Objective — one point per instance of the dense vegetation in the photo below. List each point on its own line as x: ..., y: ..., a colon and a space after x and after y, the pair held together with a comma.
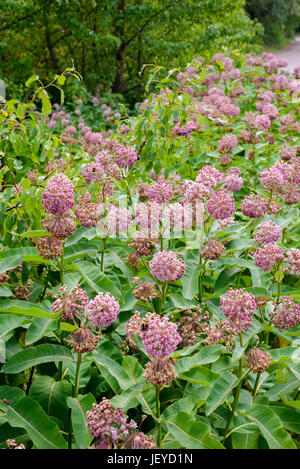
x: 150, y: 270
x: 280, y: 19
x: 113, y: 44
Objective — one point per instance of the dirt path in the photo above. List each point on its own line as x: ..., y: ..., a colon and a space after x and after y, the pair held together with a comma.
x: 291, y: 54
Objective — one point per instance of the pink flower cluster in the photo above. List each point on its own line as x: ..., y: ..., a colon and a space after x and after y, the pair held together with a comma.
x: 227, y: 143
x: 70, y: 303
x: 221, y: 205
x: 167, y: 266
x: 59, y: 194
x: 268, y: 232
x: 103, y: 310
x: 239, y: 307
x: 108, y: 422
x: 286, y: 314
x: 293, y: 260
x: 125, y: 156
x: 268, y: 255
x: 160, y: 338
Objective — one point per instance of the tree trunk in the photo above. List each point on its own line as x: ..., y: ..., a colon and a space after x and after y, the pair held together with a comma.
x: 120, y: 57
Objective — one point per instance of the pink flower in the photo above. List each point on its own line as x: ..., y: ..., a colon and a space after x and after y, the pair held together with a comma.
x: 59, y: 194
x: 254, y: 205
x: 166, y: 266
x: 227, y: 143
x: 268, y: 232
x: 160, y: 337
x: 103, y: 310
x: 92, y: 172
x: 267, y: 256
x: 286, y: 314
x: 70, y: 303
x: 239, y: 307
x: 125, y: 156
x: 59, y: 226
x: 221, y: 205
x: 293, y: 260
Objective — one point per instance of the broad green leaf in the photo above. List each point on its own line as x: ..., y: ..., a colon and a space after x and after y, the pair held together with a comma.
x: 270, y: 426
x: 200, y: 374
x: 189, y: 281
x: 52, y: 396
x: 290, y: 417
x: 97, y: 279
x: 26, y: 308
x: 208, y: 354
x: 116, y: 370
x: 44, y: 353
x: 80, y: 406
x: 9, y: 322
x: 24, y: 412
x: 38, y: 327
x: 220, y: 390
x: 190, y: 433
x: 9, y: 263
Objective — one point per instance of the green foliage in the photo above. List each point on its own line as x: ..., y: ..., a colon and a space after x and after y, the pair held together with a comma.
x: 111, y: 42
x: 280, y: 19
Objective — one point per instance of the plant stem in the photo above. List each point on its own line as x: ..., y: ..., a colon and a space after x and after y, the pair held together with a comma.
x: 29, y: 381
x: 62, y: 268
x: 158, y: 424
x: 236, y: 398
x: 75, y: 392
x: 163, y: 297
x: 79, y: 356
x: 161, y: 242
x: 102, y: 253
x: 256, y: 385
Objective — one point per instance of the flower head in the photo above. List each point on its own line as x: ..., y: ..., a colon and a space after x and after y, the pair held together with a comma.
x: 268, y: 255
x: 286, y: 314
x: 166, y: 266
x: 160, y: 338
x: 70, y: 303
x: 160, y: 372
x: 103, y: 310
x: 221, y: 205
x: 239, y: 307
x: 258, y: 360
x: 268, y: 232
x: 58, y: 196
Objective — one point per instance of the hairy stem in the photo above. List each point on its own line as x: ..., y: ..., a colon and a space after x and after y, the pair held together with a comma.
x: 158, y: 425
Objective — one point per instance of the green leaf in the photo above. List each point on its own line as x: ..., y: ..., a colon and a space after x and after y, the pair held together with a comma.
x: 37, y: 329
x: 10, y: 263
x: 24, y: 412
x: 116, y: 370
x: 189, y: 281
x: 52, y: 396
x: 270, y: 426
x: 200, y: 374
x: 44, y: 353
x: 220, y: 390
x: 4, y: 291
x: 26, y: 308
x: 80, y: 406
x: 290, y: 417
x: 97, y: 279
x: 31, y: 80
x: 9, y: 322
x: 190, y: 433
x: 46, y: 103
x: 223, y: 280
x: 208, y: 354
